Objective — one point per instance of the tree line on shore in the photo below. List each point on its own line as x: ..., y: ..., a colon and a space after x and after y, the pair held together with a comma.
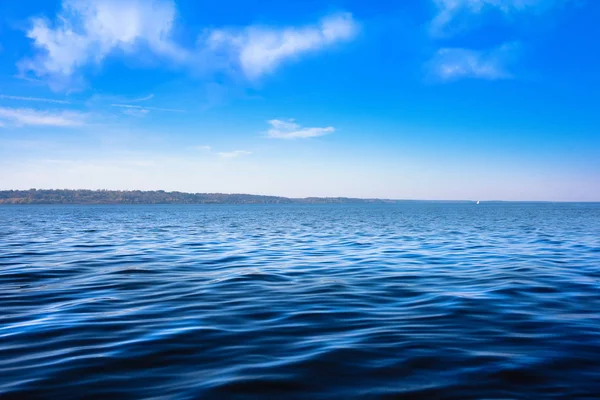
x: 68, y: 196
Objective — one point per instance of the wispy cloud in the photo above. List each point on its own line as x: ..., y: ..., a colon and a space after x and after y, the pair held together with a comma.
x: 451, y: 64
x: 33, y: 81
x: 291, y: 130
x: 136, y: 112
x: 85, y: 32
x: 234, y: 154
x: 150, y: 96
x: 258, y: 50
x: 453, y: 15
x: 203, y: 148
x: 27, y: 116
x: 449, y: 10
x: 37, y: 99
x: 146, y: 108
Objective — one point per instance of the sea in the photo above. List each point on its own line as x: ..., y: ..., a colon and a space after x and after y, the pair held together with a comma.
x: 415, y: 300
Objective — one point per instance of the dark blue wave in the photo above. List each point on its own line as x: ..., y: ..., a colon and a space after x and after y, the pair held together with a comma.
x: 416, y: 300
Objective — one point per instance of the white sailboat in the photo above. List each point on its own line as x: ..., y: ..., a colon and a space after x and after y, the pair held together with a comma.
x: 477, y: 201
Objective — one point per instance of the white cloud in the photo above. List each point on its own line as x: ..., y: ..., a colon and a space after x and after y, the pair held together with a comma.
x: 134, y: 106
x: 38, y: 99
x: 455, y: 63
x: 136, y: 112
x: 150, y: 96
x: 203, y: 148
x: 86, y: 31
x: 28, y: 116
x: 260, y: 50
x: 291, y: 130
x: 234, y: 153
x: 449, y: 11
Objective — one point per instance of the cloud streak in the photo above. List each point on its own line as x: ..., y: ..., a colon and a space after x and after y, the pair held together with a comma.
x: 37, y: 99
x: 291, y: 130
x: 135, y: 106
x: 136, y: 112
x: 450, y: 64
x: 233, y: 154
x: 452, y: 14
x: 258, y: 50
x: 150, y: 96
x: 29, y: 117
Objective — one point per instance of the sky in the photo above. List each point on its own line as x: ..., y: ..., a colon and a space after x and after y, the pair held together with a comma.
x: 412, y: 99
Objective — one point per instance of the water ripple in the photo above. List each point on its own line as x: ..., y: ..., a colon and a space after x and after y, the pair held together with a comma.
x: 440, y: 301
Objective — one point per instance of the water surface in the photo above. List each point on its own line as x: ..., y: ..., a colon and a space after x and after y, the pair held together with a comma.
x: 415, y: 300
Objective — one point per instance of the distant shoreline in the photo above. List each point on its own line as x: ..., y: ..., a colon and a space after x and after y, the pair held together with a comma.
x: 70, y: 196
x: 116, y: 197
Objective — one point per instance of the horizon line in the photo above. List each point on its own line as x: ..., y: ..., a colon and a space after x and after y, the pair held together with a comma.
x: 383, y: 199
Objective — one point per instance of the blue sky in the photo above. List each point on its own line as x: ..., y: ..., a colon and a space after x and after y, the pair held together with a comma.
x: 420, y: 99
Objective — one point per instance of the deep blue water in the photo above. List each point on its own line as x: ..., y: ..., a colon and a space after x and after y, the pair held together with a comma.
x: 416, y: 300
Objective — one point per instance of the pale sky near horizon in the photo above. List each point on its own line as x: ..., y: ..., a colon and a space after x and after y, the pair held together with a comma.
x: 420, y: 99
